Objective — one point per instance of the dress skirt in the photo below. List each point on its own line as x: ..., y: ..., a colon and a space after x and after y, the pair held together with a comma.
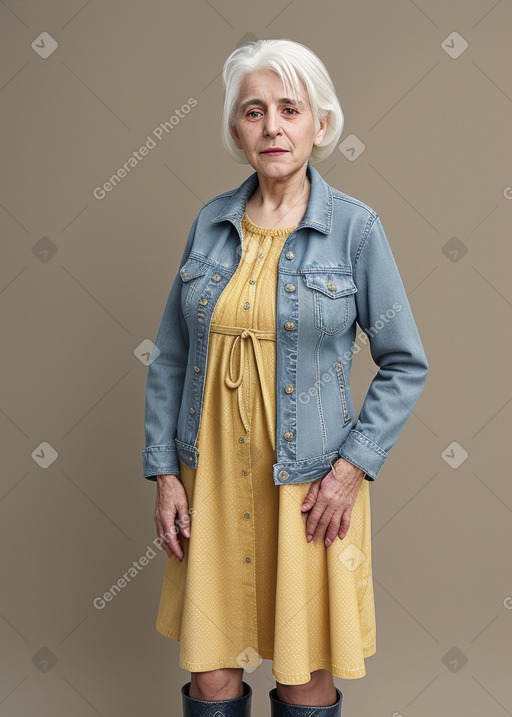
x: 250, y: 587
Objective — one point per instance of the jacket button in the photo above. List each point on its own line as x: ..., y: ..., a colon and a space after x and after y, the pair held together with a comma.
x: 247, y: 559
x: 196, y: 369
x: 289, y: 325
x: 289, y: 255
x: 192, y: 410
x: 284, y: 475
x: 240, y: 440
x: 203, y: 301
x: 190, y: 458
x: 247, y: 515
x: 289, y: 435
x: 216, y: 277
x: 289, y: 388
x: 247, y: 305
x: 184, y: 272
x: 245, y: 473
x: 252, y: 281
x: 289, y: 287
x: 331, y: 286
x: 200, y: 334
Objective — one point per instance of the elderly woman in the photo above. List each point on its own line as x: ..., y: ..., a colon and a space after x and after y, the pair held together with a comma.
x: 263, y: 473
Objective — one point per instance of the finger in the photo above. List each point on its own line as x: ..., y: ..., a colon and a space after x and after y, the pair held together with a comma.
x: 313, y: 519
x: 323, y: 525
x: 319, y: 516
x: 345, y: 523
x: 169, y: 535
x: 310, y: 499
x: 163, y: 538
x: 173, y: 539
x: 160, y: 532
x: 333, y: 528
x: 174, y: 544
x: 184, y: 520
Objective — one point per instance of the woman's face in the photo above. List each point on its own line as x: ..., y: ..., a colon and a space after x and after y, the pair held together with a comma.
x: 267, y: 118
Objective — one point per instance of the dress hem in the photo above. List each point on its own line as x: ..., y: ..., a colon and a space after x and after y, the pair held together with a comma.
x: 285, y: 678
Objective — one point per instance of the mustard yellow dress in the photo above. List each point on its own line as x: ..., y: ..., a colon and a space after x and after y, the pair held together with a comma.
x: 250, y: 587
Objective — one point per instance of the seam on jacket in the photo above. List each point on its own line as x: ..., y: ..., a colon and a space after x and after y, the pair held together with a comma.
x: 342, y: 197
x: 366, y: 233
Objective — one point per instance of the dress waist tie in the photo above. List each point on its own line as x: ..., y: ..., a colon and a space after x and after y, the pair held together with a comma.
x: 236, y: 382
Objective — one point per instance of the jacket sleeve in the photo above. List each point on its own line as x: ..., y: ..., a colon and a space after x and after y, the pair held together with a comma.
x: 385, y: 316
x: 165, y: 380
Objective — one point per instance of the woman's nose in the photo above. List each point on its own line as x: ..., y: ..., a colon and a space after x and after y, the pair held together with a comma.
x: 272, y: 123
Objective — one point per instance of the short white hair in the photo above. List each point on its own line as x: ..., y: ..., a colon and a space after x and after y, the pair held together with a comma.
x: 293, y: 63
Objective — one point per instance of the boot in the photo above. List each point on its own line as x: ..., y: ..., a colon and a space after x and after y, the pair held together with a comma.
x: 284, y: 709
x: 237, y: 707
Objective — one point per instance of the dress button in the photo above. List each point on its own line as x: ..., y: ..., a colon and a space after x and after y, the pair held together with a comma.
x: 289, y: 388
x: 240, y: 440
x: 192, y: 410
x: 284, y: 475
x: 252, y: 281
x: 289, y: 255
x: 196, y: 369
x: 216, y: 277
x: 247, y: 559
x: 289, y: 287
x: 247, y: 515
x: 203, y: 301
x: 247, y: 305
x: 289, y: 325
x: 289, y: 435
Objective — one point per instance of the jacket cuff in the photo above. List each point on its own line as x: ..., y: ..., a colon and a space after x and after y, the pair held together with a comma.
x: 159, y: 460
x: 363, y: 453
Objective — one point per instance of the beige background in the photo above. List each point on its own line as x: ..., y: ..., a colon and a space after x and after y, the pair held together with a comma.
x: 84, y: 282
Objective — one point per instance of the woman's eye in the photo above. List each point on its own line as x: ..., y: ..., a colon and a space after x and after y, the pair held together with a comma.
x: 254, y: 114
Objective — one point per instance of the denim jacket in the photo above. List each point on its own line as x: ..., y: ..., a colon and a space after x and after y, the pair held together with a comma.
x: 336, y: 268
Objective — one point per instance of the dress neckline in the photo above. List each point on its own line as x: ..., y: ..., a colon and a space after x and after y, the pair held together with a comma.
x: 257, y: 229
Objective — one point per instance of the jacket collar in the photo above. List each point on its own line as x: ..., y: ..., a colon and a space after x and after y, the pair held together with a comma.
x: 318, y: 214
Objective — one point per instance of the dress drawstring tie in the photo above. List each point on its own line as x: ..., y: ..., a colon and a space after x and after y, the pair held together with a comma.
x: 235, y: 381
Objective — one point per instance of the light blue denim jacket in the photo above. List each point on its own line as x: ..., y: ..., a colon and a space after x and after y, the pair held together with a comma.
x: 335, y: 268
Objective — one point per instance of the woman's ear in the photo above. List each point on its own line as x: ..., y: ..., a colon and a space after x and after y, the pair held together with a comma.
x: 324, y: 123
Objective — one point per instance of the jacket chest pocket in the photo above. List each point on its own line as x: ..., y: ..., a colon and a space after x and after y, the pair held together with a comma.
x: 333, y: 299
x: 191, y: 272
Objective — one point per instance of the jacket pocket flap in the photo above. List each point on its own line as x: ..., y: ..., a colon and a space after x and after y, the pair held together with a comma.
x: 193, y: 268
x: 331, y: 284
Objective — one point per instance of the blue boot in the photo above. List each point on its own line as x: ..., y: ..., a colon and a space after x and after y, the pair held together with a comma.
x: 284, y: 709
x: 237, y: 707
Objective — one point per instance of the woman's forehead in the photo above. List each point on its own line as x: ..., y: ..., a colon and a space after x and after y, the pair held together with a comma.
x: 267, y: 86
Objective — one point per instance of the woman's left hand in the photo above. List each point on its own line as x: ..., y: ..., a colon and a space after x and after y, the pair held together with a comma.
x: 331, y: 500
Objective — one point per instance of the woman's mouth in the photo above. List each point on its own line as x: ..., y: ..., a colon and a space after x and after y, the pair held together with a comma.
x: 275, y: 152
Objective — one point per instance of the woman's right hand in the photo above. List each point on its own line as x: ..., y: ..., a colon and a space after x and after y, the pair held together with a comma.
x: 171, y: 502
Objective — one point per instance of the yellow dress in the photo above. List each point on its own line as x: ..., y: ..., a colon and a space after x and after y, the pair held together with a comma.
x: 250, y: 587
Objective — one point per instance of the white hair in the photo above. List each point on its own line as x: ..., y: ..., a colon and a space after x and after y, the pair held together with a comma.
x: 293, y: 63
